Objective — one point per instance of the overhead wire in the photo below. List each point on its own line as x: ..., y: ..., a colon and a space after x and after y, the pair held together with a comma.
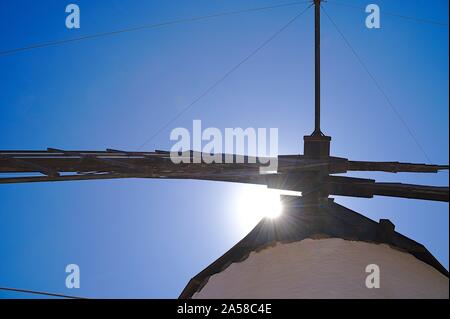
x: 144, y: 27
x: 225, y: 76
x: 414, y: 19
x: 42, y: 293
x: 378, y: 85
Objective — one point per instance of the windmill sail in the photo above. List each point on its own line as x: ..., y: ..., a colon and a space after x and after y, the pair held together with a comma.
x: 295, y: 172
x: 348, y: 240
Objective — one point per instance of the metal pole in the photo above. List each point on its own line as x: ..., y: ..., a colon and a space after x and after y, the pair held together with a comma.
x: 317, y: 67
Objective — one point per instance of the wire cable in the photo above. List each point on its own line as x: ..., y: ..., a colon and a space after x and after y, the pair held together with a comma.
x: 419, y: 20
x: 42, y: 293
x: 378, y: 85
x: 143, y: 27
x: 226, y: 75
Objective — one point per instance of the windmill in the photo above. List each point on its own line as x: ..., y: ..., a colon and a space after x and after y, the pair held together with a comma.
x: 321, y: 248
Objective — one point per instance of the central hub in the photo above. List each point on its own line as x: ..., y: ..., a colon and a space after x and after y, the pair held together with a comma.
x: 316, y: 146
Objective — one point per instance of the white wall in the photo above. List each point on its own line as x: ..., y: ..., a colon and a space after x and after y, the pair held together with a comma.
x: 326, y: 268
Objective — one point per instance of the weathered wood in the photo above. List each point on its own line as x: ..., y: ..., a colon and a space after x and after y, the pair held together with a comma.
x: 295, y: 172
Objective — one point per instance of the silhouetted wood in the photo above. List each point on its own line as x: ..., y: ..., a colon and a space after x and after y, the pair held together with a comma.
x: 311, y: 173
x: 300, y: 173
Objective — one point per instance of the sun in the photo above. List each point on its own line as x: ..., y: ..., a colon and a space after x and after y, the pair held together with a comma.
x: 255, y: 203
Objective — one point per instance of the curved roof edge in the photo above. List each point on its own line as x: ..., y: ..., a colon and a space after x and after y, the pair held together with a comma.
x: 302, y: 220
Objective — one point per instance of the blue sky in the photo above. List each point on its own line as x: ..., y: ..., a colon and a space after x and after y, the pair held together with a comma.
x: 147, y: 238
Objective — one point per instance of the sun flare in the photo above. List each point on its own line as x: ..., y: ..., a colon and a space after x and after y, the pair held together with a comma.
x: 257, y: 202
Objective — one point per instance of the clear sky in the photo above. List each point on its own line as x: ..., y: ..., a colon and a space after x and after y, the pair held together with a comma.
x: 147, y: 238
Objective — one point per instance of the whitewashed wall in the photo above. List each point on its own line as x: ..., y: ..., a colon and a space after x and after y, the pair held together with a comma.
x: 326, y: 268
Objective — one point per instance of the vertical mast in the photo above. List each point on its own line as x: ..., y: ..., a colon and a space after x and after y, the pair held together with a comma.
x: 317, y: 131
x: 317, y: 145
